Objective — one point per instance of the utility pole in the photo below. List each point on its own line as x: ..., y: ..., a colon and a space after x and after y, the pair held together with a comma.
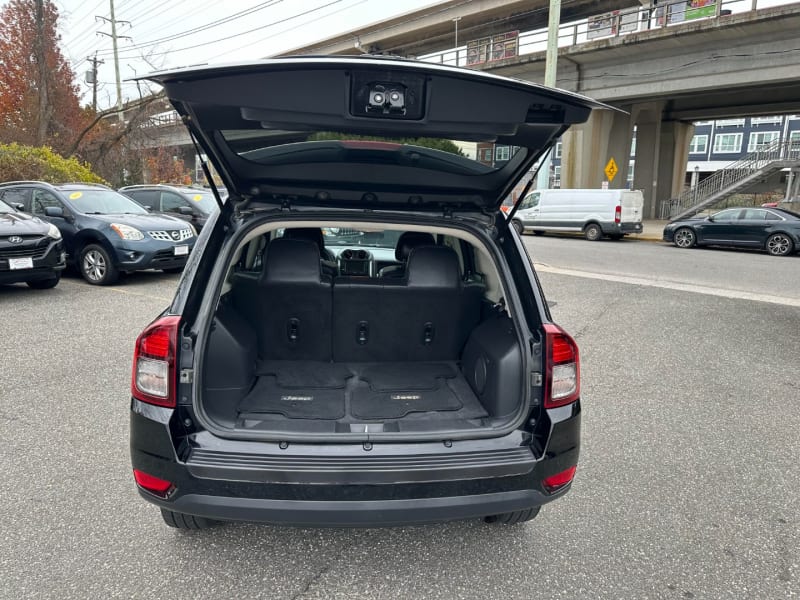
x: 92, y: 79
x: 551, y: 62
x: 42, y: 75
x: 113, y: 21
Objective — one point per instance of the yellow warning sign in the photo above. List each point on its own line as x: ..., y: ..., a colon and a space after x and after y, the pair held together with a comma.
x: 611, y: 169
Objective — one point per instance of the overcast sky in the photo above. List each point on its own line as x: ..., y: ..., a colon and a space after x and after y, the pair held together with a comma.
x: 175, y: 33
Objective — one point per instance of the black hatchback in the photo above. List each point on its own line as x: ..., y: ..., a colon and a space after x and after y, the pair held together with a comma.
x: 106, y: 233
x: 359, y: 337
x: 31, y: 250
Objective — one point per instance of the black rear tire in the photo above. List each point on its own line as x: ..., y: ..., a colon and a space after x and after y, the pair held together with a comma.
x: 44, y: 284
x: 592, y: 232
x: 184, y: 521
x: 518, y: 226
x: 512, y: 518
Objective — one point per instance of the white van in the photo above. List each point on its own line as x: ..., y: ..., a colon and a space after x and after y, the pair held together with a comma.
x: 595, y: 213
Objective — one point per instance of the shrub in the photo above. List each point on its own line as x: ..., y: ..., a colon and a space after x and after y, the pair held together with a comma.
x: 18, y: 162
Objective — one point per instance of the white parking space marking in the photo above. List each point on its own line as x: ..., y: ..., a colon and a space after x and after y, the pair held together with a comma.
x: 673, y: 285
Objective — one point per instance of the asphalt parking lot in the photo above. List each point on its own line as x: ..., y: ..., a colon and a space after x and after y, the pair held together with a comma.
x: 688, y: 485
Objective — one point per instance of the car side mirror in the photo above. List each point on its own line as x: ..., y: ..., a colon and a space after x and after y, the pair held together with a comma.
x: 185, y: 210
x: 19, y: 207
x: 54, y: 211
x: 710, y: 218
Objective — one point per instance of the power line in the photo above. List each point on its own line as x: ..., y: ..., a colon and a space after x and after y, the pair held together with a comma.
x: 207, y: 26
x: 241, y: 33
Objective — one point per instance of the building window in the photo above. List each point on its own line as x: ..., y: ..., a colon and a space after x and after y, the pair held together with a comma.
x: 557, y: 177
x: 760, y: 139
x: 502, y: 152
x: 727, y: 143
x: 775, y: 119
x: 699, y: 144
x: 487, y: 155
x: 730, y: 123
x: 701, y: 123
x: 794, y: 140
x: 558, y: 150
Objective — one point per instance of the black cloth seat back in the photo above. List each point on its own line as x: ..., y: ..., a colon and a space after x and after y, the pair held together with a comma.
x: 425, y: 316
x: 292, y: 303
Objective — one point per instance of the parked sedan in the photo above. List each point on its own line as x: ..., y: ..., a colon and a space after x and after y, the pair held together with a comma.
x: 775, y: 230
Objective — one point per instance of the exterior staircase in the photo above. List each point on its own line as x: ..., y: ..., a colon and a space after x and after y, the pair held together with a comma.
x: 734, y: 178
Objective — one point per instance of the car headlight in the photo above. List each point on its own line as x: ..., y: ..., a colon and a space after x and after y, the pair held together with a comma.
x: 53, y: 232
x: 193, y: 230
x: 126, y: 232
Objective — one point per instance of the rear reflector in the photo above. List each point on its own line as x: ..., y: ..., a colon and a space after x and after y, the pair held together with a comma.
x: 562, y: 370
x: 153, y: 378
x: 154, y: 485
x: 559, y: 480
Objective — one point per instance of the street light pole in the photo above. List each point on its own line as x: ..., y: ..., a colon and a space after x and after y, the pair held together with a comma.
x: 455, y: 21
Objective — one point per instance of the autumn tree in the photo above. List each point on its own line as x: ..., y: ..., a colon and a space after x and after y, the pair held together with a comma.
x: 162, y: 166
x: 39, y: 102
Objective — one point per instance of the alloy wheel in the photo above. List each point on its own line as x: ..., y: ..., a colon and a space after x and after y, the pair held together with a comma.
x: 779, y: 245
x: 94, y: 265
x: 684, y: 238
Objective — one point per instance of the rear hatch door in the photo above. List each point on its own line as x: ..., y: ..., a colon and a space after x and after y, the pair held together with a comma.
x: 369, y: 131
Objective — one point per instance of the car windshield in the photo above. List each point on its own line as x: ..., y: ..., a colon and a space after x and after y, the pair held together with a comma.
x: 5, y: 208
x: 204, y: 200
x: 102, y: 202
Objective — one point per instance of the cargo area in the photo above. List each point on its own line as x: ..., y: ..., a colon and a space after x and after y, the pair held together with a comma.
x: 294, y: 349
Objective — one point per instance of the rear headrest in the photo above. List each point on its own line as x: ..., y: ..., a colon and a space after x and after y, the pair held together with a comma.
x: 410, y: 240
x: 311, y: 234
x: 291, y: 261
x: 433, y: 266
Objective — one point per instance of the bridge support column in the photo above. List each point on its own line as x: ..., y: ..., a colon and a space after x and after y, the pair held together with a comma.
x: 673, y: 156
x: 647, y: 118
x: 587, y: 148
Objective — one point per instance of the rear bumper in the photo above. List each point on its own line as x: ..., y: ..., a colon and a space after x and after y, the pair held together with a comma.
x: 345, y: 484
x: 621, y: 228
x: 374, y: 513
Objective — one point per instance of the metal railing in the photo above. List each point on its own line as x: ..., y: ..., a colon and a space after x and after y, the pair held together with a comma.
x: 777, y: 155
x: 614, y: 24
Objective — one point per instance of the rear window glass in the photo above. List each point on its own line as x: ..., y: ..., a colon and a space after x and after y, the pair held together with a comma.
x: 276, y: 147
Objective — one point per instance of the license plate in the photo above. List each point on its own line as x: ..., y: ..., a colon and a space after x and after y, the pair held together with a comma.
x: 181, y: 250
x: 20, y: 263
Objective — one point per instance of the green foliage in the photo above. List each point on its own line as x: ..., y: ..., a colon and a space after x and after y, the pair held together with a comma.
x: 19, y: 162
x: 434, y: 143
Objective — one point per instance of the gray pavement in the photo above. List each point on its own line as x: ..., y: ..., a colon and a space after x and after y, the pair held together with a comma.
x: 688, y: 484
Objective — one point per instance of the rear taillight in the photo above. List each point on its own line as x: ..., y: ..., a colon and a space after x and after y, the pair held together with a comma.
x: 154, y: 485
x: 562, y: 370
x: 153, y: 379
x: 559, y: 480
x: 618, y: 214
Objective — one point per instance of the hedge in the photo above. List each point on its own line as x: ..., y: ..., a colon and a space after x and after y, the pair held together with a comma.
x: 19, y: 163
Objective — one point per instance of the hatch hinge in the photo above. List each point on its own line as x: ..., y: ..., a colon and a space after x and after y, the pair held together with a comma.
x: 536, y: 379
x: 187, y: 376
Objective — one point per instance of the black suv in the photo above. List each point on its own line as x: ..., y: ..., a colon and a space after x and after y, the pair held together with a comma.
x: 359, y: 337
x: 104, y: 232
x: 31, y: 250
x: 190, y: 204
